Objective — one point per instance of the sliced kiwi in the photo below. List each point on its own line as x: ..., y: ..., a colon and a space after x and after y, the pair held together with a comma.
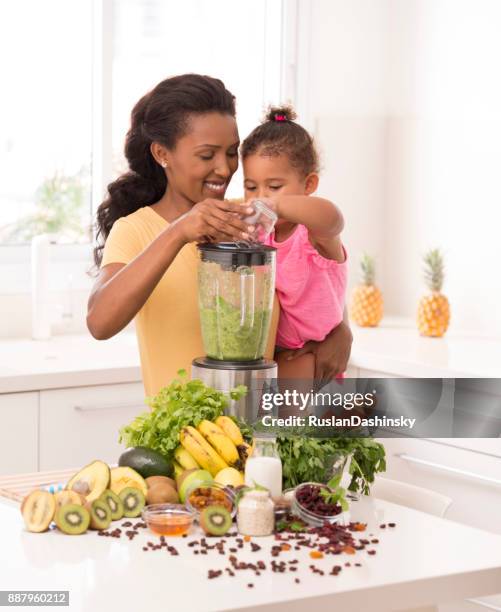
x: 100, y: 514
x: 133, y: 501
x: 114, y: 504
x: 72, y: 519
x: 38, y: 510
x: 215, y: 520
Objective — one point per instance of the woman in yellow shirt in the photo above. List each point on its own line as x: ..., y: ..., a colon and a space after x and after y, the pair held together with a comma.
x: 182, y: 150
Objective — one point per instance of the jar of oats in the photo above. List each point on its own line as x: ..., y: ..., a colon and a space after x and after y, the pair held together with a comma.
x: 255, y: 514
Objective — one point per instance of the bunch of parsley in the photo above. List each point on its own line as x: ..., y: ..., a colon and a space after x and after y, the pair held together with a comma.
x: 179, y: 404
x: 307, y: 459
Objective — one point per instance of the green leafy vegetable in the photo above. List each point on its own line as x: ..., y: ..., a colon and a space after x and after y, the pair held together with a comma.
x: 307, y: 459
x: 179, y: 404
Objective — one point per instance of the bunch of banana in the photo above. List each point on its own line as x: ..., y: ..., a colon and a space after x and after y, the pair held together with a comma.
x: 212, y: 446
x: 201, y: 450
x: 231, y: 429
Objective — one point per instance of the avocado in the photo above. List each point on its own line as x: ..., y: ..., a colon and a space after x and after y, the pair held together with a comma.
x: 91, y: 481
x: 146, y: 462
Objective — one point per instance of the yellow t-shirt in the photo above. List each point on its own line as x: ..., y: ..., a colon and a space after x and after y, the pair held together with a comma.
x: 168, y: 325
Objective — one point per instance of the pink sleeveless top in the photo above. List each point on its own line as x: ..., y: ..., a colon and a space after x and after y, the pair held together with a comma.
x: 311, y: 290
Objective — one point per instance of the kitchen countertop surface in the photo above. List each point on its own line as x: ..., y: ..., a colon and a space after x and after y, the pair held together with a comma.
x: 423, y: 559
x: 395, y: 348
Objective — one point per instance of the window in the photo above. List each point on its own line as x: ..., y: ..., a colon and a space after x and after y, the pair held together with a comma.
x: 49, y: 108
x: 45, y: 119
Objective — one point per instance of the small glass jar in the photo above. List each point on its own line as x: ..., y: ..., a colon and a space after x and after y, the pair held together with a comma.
x: 263, y: 217
x: 256, y: 514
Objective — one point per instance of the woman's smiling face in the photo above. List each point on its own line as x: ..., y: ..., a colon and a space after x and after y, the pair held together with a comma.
x: 203, y: 161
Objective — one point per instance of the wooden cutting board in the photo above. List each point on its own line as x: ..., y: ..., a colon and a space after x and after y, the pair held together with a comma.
x: 16, y: 487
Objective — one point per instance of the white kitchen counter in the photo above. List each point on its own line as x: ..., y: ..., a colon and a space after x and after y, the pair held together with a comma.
x: 397, y: 348
x: 68, y: 361
x: 394, y: 348
x: 424, y: 559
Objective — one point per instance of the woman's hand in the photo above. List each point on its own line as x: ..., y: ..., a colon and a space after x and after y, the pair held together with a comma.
x: 216, y: 221
x: 331, y: 354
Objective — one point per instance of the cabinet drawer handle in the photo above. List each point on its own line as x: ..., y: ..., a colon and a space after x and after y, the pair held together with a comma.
x: 447, y: 468
x: 95, y: 408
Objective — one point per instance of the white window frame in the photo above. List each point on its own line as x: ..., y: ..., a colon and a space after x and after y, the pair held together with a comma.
x: 281, y: 81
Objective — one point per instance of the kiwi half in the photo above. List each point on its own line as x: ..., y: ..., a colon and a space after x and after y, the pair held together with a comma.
x: 133, y: 501
x: 114, y: 504
x: 38, y: 510
x: 72, y: 519
x: 100, y: 514
x: 215, y: 520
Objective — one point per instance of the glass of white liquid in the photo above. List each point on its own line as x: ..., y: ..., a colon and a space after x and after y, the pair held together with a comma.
x: 264, y: 467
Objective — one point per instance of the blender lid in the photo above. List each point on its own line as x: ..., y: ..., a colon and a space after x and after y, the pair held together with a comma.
x: 231, y: 253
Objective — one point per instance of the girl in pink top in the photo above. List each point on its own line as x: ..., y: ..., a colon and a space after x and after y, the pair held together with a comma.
x: 280, y: 165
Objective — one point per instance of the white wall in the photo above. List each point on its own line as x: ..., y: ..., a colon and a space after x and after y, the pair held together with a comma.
x: 346, y: 109
x: 444, y: 154
x: 405, y: 100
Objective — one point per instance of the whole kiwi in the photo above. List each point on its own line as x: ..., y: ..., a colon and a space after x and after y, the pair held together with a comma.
x: 154, y: 480
x: 162, y: 493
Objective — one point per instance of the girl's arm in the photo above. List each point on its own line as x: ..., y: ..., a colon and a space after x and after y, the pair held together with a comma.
x: 322, y: 218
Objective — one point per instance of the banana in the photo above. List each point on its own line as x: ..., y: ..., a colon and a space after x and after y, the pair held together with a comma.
x: 248, y: 449
x: 201, y: 450
x: 216, y: 437
x: 184, y: 458
x: 230, y: 428
x: 178, y: 469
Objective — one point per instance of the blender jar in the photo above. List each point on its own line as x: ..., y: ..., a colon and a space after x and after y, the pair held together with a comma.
x: 235, y: 294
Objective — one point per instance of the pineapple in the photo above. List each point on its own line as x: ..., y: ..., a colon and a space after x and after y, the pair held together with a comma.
x: 433, y: 310
x: 366, y: 307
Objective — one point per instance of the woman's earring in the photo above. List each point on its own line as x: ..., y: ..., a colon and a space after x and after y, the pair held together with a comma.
x: 164, y: 164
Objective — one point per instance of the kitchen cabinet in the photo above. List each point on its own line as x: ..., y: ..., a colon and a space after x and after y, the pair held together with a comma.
x: 80, y: 424
x: 18, y: 433
x: 471, y: 479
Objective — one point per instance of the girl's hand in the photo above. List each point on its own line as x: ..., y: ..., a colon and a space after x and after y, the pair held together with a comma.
x: 331, y: 354
x: 215, y: 221
x: 271, y: 203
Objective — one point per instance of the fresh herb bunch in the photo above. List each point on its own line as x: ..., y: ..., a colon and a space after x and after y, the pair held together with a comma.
x: 306, y: 459
x: 179, y: 404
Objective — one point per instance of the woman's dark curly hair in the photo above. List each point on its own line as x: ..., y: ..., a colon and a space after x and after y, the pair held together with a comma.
x: 279, y: 134
x: 159, y: 116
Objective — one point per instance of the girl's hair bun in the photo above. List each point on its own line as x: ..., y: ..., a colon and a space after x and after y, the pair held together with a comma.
x: 277, y: 114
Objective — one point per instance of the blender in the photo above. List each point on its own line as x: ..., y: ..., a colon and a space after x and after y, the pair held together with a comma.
x: 236, y: 285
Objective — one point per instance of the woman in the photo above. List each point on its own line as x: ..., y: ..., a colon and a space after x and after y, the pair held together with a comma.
x: 182, y: 150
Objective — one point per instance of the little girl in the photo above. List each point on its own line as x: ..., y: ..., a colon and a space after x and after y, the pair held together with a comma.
x: 280, y: 165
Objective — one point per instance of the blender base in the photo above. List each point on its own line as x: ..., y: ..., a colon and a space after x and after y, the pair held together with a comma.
x: 259, y: 376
